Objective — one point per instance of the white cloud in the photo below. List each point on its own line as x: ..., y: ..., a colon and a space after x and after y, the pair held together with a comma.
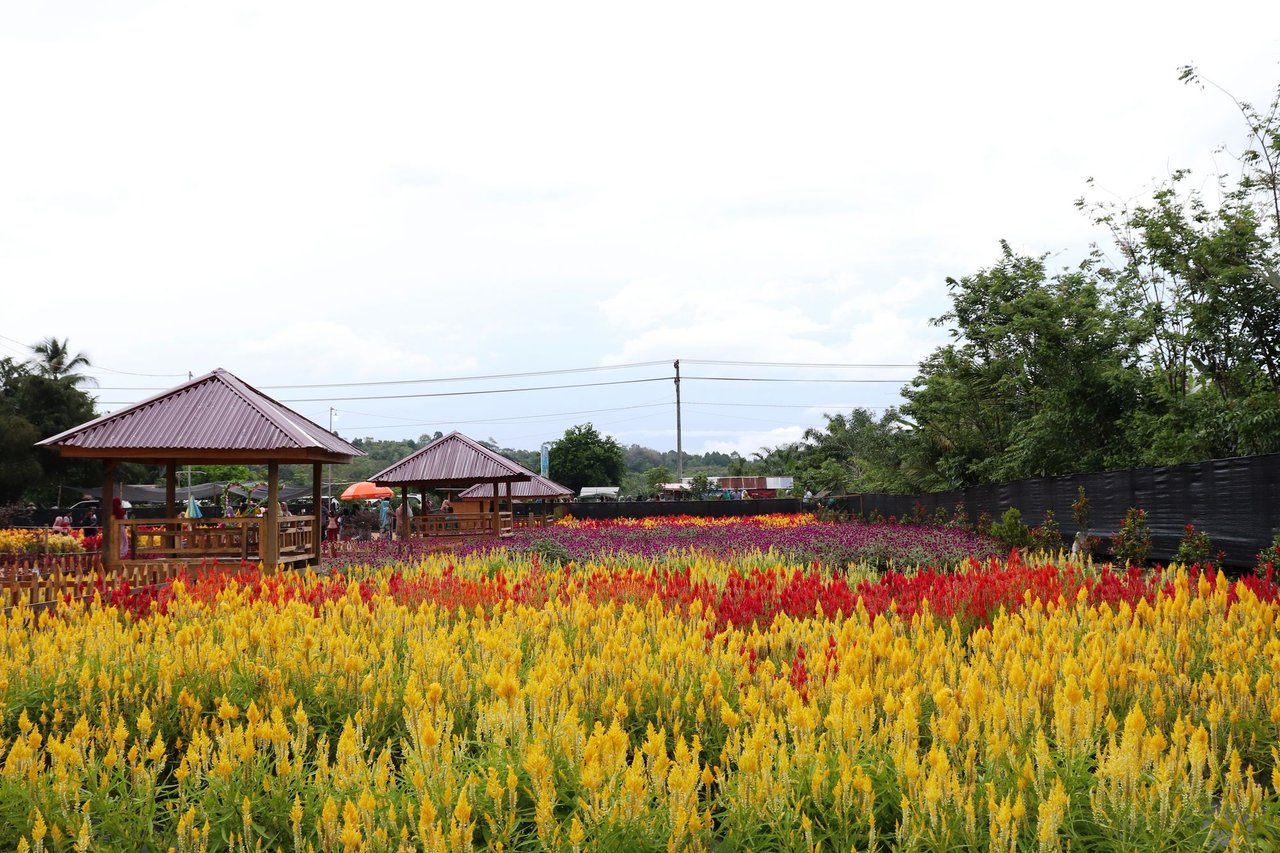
x: 749, y: 443
x: 307, y: 192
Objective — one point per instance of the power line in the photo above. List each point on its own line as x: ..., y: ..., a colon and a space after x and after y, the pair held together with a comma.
x: 786, y: 379
x: 472, y: 393
x: 747, y: 418
x: 602, y: 424
x: 556, y: 372
x: 88, y: 371
x: 790, y: 364
x: 769, y: 379
x: 372, y: 383
x: 513, y: 418
x: 793, y: 405
x: 92, y: 368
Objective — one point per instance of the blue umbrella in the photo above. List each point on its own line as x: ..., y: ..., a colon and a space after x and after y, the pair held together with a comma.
x: 193, y: 508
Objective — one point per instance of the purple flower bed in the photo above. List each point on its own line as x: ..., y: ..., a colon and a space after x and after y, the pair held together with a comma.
x: 832, y: 545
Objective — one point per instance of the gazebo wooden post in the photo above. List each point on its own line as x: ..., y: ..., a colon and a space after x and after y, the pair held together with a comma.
x: 269, y: 539
x: 317, y: 532
x: 421, y: 510
x: 170, y: 499
x: 506, y: 491
x: 497, y: 511
x: 110, y: 546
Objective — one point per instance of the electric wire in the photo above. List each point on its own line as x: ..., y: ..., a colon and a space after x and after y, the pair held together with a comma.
x: 88, y: 371
x: 556, y: 372
x: 473, y: 393
x: 793, y: 380
x: 511, y: 419
x: 789, y: 363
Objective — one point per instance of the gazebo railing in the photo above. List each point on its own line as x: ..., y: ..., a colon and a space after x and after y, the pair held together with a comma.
x: 460, y: 524
x: 535, y: 519
x: 194, y: 539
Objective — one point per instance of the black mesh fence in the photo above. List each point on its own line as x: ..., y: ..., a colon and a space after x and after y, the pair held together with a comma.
x: 1235, y: 501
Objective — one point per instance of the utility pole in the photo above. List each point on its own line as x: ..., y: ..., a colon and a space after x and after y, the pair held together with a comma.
x: 679, y: 445
x: 332, y: 411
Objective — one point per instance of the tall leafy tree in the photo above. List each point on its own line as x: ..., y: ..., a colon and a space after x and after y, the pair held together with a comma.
x: 584, y: 457
x: 35, y: 405
x: 855, y: 452
x: 1039, y: 380
x: 1204, y: 276
x: 655, y: 478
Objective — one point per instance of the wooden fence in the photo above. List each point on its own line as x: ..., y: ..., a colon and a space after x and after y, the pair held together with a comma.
x: 40, y: 584
x: 459, y: 524
x: 16, y: 564
x: 194, y: 539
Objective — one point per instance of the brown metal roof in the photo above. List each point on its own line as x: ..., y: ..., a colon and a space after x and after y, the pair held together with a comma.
x: 452, y: 460
x: 214, y: 417
x: 538, y: 487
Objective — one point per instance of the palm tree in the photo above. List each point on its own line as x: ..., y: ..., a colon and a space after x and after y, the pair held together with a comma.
x: 57, y: 363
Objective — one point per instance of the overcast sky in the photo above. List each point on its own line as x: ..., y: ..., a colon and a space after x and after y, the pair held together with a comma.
x: 309, y: 193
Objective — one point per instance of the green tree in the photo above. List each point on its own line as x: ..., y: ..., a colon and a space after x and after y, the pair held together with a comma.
x: 54, y: 360
x: 654, y: 478
x: 640, y: 459
x: 530, y: 459
x: 19, y: 467
x: 780, y: 460
x: 855, y: 453
x: 36, y: 404
x: 699, y: 486
x: 1041, y: 380
x: 1202, y: 278
x: 584, y: 457
x: 229, y: 474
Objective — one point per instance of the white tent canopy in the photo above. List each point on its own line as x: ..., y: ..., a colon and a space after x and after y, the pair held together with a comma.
x: 599, y: 493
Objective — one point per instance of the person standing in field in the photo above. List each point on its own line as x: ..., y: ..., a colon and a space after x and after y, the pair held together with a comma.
x: 331, y: 527
x: 117, y: 514
x: 404, y: 515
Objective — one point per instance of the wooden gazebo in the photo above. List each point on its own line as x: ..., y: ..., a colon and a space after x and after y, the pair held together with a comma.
x: 213, y: 419
x: 537, y: 493
x: 456, y: 462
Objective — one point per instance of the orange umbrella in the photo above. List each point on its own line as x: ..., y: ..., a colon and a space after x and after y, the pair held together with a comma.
x: 364, y: 490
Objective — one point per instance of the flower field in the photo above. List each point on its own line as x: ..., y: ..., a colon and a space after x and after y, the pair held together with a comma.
x: 794, y: 538
x: 29, y: 541
x: 694, y: 701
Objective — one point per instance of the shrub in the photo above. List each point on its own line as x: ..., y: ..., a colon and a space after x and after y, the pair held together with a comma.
x: 1132, y: 543
x: 1010, y: 530
x: 550, y: 551
x: 1269, y: 556
x: 1048, y: 536
x: 983, y: 524
x: 1080, y: 509
x: 1194, y: 547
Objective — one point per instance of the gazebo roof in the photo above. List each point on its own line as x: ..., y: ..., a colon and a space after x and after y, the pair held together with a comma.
x: 538, y: 487
x: 452, y: 460
x: 213, y: 418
